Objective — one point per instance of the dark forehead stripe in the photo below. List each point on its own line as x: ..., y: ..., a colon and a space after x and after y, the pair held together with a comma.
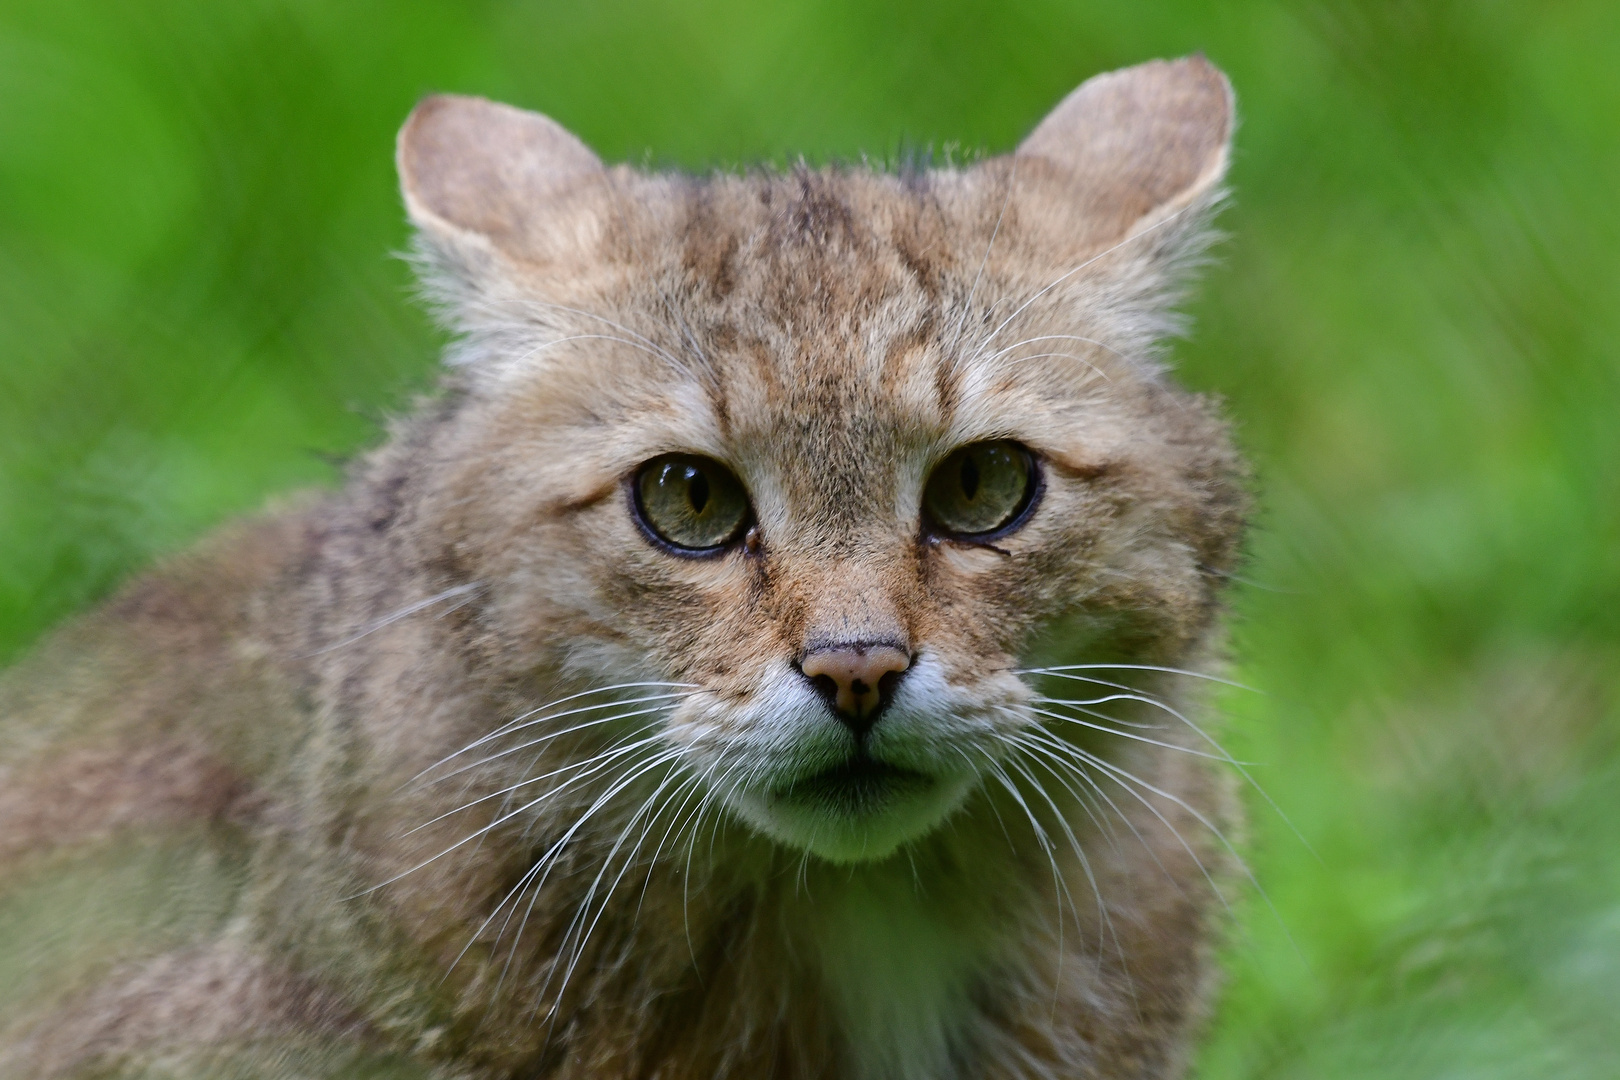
x: 818, y: 213
x: 818, y: 281
x: 708, y: 241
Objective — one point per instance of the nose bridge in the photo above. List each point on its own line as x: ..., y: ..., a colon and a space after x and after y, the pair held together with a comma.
x: 856, y: 600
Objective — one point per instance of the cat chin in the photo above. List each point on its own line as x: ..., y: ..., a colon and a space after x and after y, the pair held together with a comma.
x: 870, y: 831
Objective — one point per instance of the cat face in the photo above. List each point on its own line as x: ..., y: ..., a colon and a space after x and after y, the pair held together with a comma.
x: 834, y: 451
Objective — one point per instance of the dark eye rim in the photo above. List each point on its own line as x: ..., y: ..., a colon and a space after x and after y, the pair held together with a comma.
x: 638, y: 512
x: 1018, y: 519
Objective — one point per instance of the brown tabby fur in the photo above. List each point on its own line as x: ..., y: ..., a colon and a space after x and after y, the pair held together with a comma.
x: 243, y: 806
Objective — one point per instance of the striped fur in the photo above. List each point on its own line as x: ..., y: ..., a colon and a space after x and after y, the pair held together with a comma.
x: 346, y: 790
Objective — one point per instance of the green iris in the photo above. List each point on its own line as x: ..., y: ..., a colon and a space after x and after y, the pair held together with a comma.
x: 980, y: 488
x: 689, y: 502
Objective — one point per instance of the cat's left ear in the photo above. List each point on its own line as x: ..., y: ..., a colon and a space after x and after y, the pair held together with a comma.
x: 1132, y: 147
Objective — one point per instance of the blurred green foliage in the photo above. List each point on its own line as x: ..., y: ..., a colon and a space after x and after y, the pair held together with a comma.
x: 1414, y: 323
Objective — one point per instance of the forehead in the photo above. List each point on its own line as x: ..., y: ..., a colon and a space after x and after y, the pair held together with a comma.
x: 828, y: 304
x: 817, y: 328
x: 832, y: 417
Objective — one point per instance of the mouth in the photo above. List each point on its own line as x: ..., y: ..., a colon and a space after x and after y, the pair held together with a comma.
x: 860, y: 785
x: 860, y: 810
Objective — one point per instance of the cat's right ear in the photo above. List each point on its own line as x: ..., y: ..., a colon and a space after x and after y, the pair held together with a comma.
x: 481, y: 176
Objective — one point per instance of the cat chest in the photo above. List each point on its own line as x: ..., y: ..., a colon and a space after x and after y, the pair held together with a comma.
x: 899, y: 979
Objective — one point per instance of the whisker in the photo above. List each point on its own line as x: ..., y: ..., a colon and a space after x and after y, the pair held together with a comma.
x: 1012, y: 789
x: 1103, y: 345
x: 1121, y: 776
x: 1078, y: 762
x: 984, y: 260
x: 404, y: 612
x: 653, y: 351
x: 1005, y: 349
x: 528, y: 875
x: 535, y: 876
x: 1139, y: 725
x: 1061, y: 752
x: 1060, y: 887
x: 1131, y: 693
x: 524, y: 720
x: 590, y: 767
x: 646, y: 343
x: 1126, y: 734
x: 1074, y: 843
x: 994, y: 809
x: 520, y: 722
x: 691, y: 787
x: 711, y: 798
x: 692, y: 342
x: 584, y: 938
x: 548, y: 859
x: 497, y: 822
x: 1095, y: 370
x: 1167, y: 219
x: 1043, y: 757
x: 1224, y: 755
x: 549, y: 736
x: 1092, y: 811
x: 1060, y: 671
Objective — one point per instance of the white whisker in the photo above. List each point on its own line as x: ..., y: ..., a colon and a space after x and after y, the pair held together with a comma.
x: 588, y: 767
x: 1125, y: 734
x: 584, y: 908
x: 1221, y: 751
x: 552, y: 735
x: 523, y: 721
x: 1167, y: 219
x: 984, y: 260
x: 1061, y: 670
x: 549, y: 858
x: 404, y: 612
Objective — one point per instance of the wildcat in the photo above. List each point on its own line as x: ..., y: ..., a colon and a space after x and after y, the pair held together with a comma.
x: 777, y: 651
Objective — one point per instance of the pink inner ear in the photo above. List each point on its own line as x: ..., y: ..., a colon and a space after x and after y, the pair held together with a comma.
x: 482, y: 167
x: 1142, y: 138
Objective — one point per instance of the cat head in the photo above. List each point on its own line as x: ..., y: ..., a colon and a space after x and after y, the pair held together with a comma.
x: 836, y: 451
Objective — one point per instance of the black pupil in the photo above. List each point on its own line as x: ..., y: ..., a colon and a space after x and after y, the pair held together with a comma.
x: 697, y: 489
x: 970, y: 476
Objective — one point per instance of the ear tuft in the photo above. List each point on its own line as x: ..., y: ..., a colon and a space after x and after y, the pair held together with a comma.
x: 468, y: 165
x: 1142, y: 141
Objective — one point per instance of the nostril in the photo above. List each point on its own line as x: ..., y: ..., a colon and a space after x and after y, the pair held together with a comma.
x: 826, y: 686
x: 888, y: 682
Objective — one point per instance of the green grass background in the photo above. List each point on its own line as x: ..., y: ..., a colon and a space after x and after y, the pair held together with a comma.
x: 1414, y: 322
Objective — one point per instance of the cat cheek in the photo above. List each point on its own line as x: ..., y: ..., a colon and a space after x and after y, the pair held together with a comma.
x: 700, y: 622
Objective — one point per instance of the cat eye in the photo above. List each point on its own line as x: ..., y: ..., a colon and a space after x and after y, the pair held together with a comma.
x: 692, y: 504
x: 980, y: 491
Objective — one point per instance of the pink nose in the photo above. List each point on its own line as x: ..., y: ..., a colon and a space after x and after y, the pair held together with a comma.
x: 857, y: 679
